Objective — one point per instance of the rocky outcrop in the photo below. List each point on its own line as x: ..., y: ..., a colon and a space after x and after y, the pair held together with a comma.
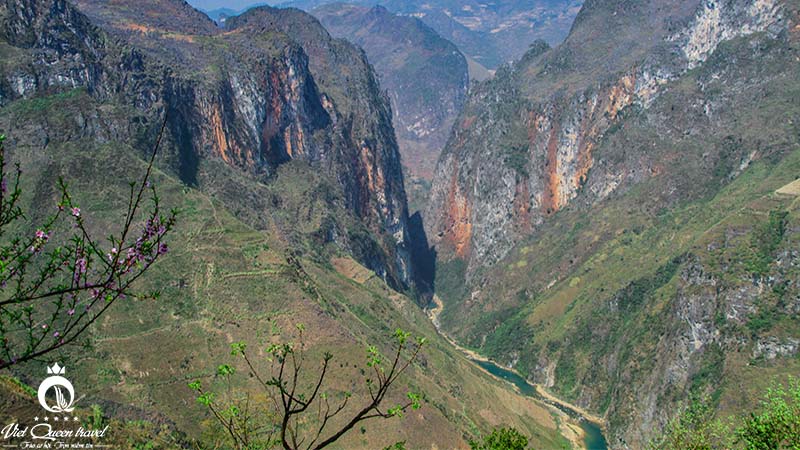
x: 424, y: 74
x: 521, y: 154
x: 271, y: 89
x: 613, y: 219
x: 718, y: 21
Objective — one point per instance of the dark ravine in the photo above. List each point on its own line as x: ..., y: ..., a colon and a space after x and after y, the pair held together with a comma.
x: 425, y: 76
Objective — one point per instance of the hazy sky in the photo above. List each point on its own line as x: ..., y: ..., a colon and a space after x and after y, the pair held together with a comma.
x: 232, y: 4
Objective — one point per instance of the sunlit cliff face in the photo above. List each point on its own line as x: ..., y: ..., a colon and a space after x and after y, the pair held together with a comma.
x: 480, y: 206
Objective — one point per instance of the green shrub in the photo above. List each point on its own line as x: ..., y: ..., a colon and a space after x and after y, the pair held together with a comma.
x: 766, y: 239
x: 501, y: 439
x: 775, y: 426
x: 694, y: 429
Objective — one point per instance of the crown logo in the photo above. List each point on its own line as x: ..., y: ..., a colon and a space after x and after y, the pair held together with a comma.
x: 55, y: 370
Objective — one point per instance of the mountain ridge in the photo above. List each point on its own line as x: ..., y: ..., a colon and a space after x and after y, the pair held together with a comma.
x: 232, y: 121
x: 426, y: 76
x: 596, y: 218
x: 267, y: 237
x: 490, y: 33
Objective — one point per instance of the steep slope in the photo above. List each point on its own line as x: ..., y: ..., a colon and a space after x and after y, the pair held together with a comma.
x: 250, y: 99
x: 426, y: 78
x: 615, y: 218
x: 225, y: 281
x: 255, y: 162
x: 533, y: 130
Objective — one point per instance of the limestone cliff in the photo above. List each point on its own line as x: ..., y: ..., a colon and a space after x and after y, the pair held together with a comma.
x: 523, y: 147
x: 271, y: 89
x: 609, y: 214
x: 425, y: 76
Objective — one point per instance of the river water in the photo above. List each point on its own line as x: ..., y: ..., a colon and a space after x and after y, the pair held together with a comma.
x: 594, y: 439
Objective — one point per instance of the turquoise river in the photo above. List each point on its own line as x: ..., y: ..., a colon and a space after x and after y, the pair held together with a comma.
x: 593, y: 434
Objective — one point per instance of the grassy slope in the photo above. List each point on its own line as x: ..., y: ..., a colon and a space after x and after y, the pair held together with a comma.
x: 222, y: 282
x: 552, y: 296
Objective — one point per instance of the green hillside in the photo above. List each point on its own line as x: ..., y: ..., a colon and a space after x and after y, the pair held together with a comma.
x: 223, y: 282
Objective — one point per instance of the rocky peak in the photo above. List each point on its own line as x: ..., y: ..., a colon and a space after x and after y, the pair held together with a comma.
x: 272, y: 88
x: 425, y: 76
x: 523, y: 148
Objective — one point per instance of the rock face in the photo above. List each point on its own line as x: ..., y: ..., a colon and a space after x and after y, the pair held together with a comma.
x: 523, y: 148
x: 273, y: 123
x: 271, y: 89
x: 425, y: 76
x: 610, y: 226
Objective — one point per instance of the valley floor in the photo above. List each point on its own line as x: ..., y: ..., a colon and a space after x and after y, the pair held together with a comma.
x: 569, y: 427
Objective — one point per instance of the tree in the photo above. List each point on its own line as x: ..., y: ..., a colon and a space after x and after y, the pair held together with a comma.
x: 775, y: 426
x: 693, y: 429
x: 295, y: 418
x: 501, y: 439
x: 58, y: 280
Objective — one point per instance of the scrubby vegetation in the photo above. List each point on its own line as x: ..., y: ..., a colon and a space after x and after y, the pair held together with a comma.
x: 774, y: 425
x: 501, y: 439
x: 56, y: 279
x: 765, y: 241
x: 289, y: 416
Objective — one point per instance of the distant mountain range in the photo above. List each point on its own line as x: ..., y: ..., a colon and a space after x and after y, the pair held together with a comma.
x: 425, y: 75
x: 220, y: 15
x: 489, y: 33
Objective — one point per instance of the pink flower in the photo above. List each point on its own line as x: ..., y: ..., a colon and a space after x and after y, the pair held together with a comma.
x: 40, y: 239
x: 80, y: 268
x: 56, y: 334
x: 76, y: 212
x: 44, y: 326
x: 71, y: 312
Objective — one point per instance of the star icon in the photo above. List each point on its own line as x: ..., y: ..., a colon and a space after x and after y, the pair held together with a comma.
x: 55, y: 418
x: 46, y: 419
x: 36, y: 418
x: 75, y: 419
